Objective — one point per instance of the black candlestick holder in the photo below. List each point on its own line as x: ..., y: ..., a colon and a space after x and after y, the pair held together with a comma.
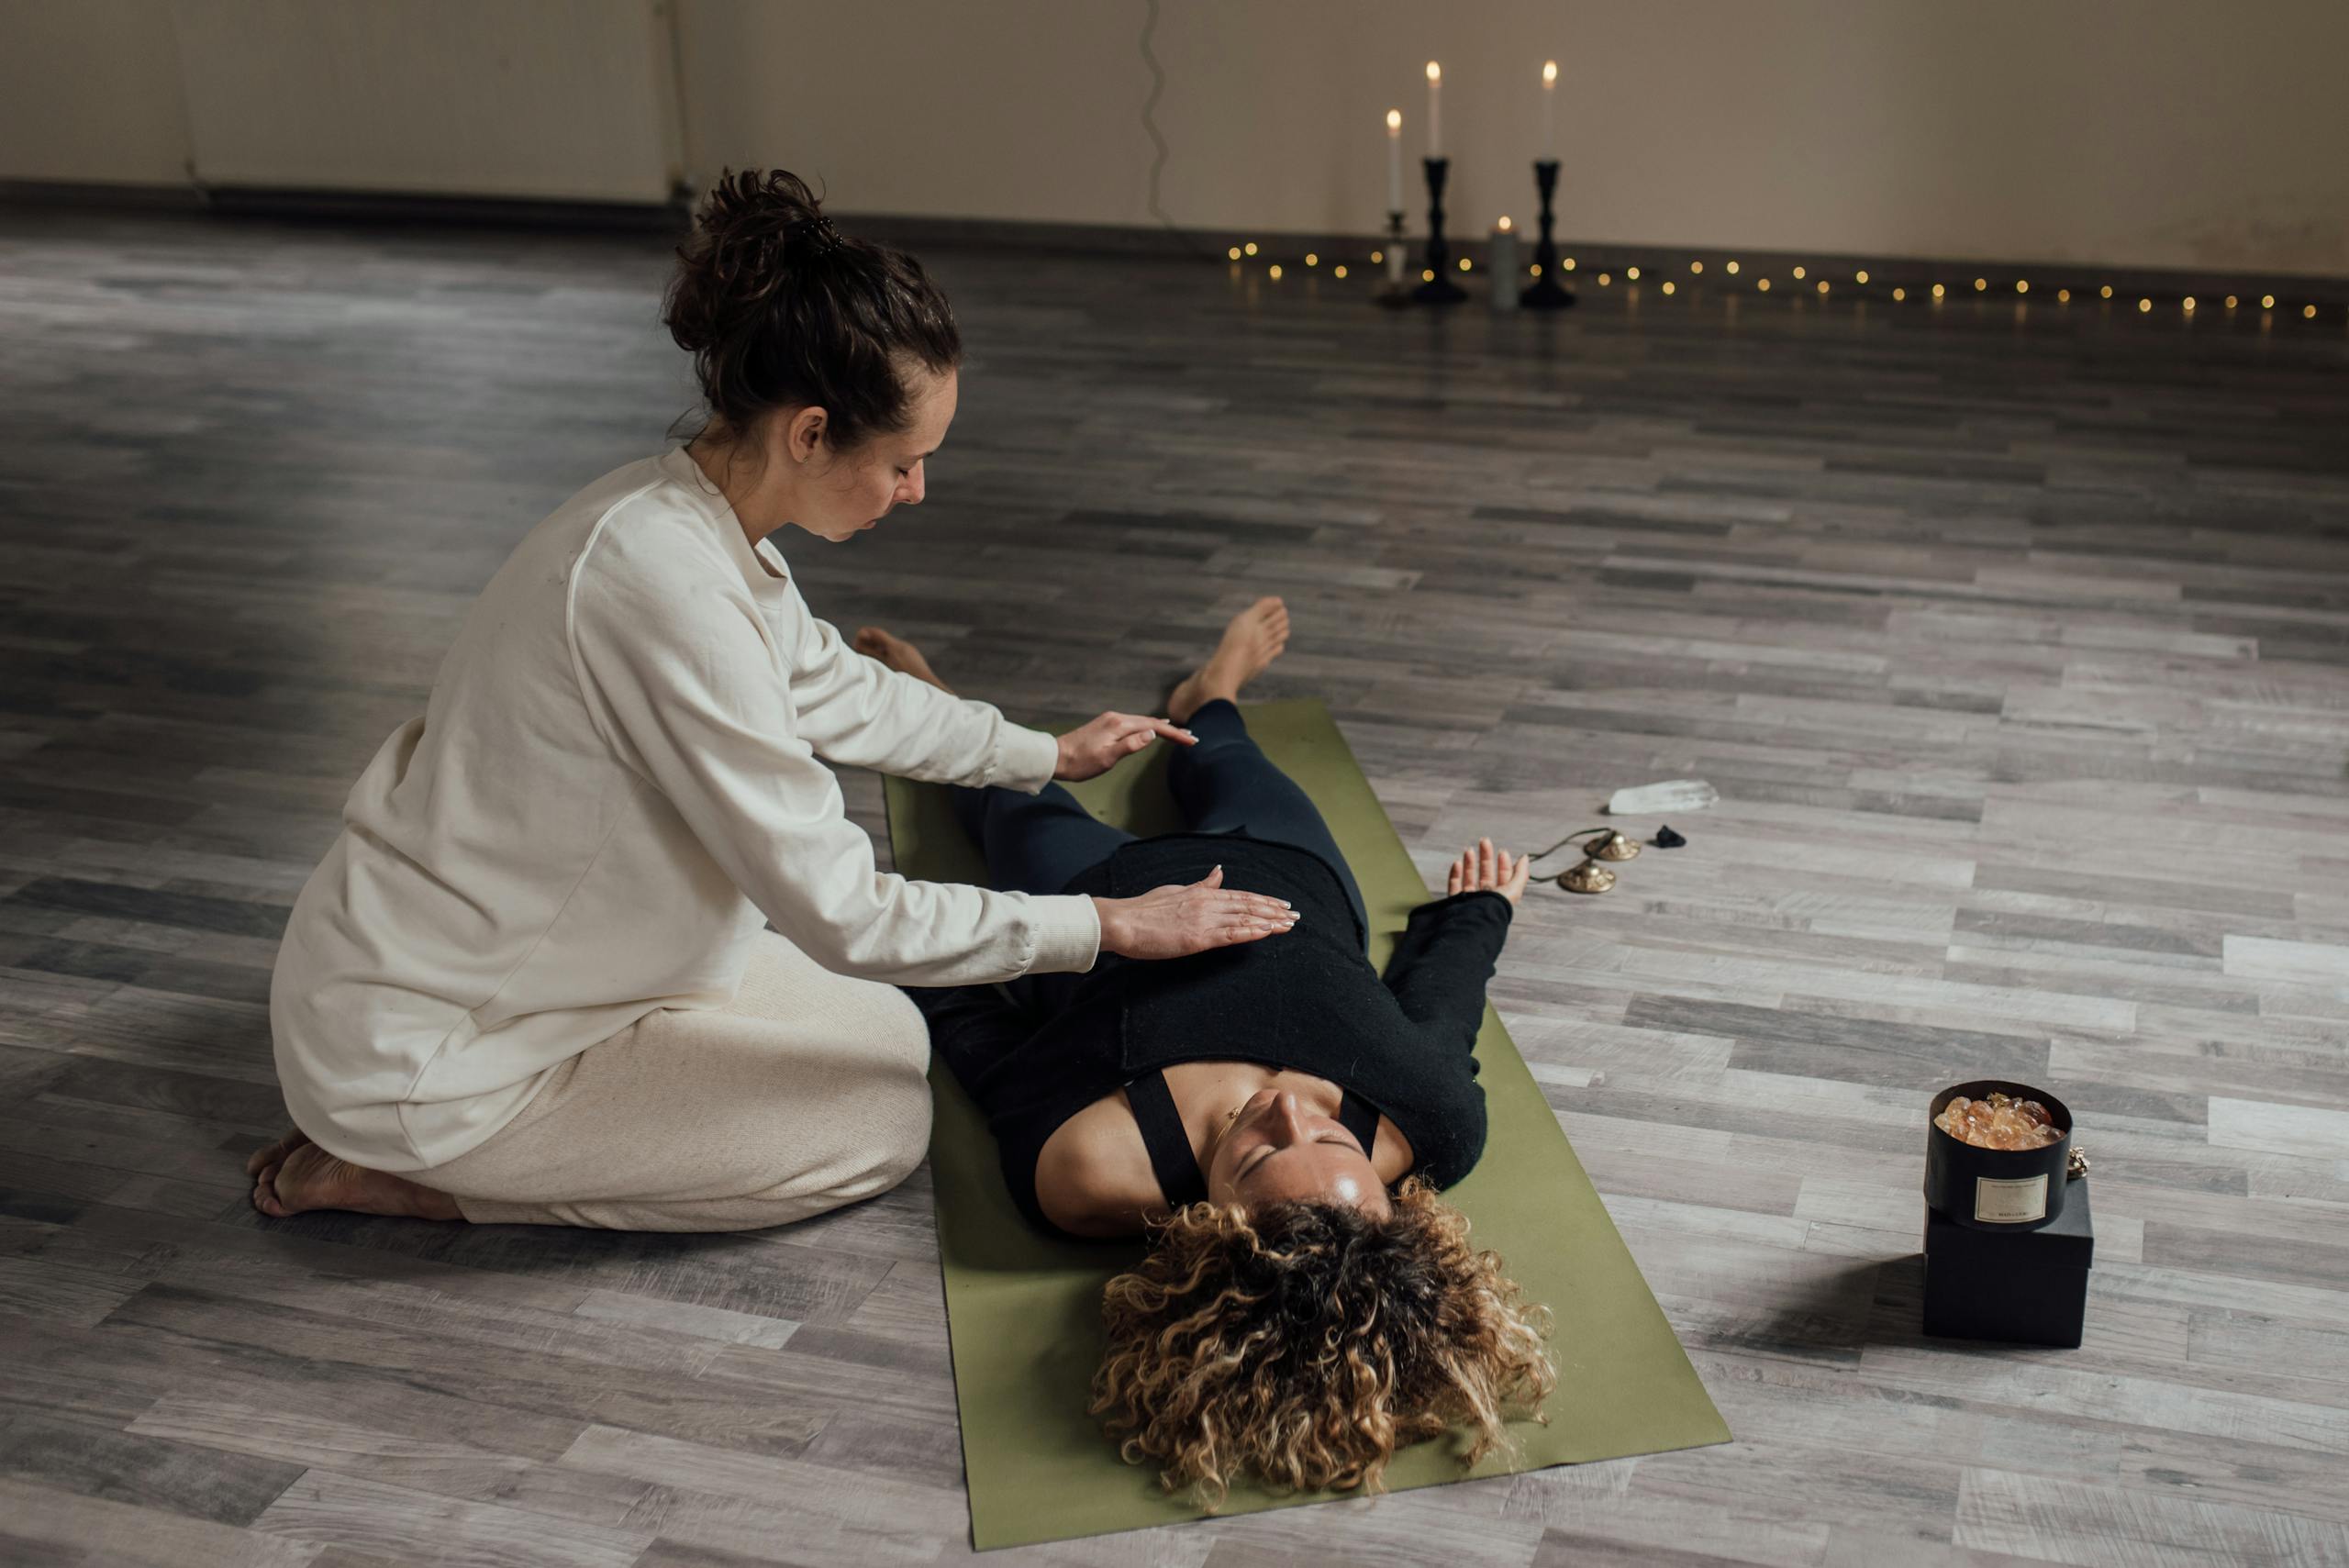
x: 1439, y: 289
x: 1546, y: 293
x: 1394, y: 296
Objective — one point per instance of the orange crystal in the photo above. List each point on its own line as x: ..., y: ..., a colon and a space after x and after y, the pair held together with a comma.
x: 1999, y: 1122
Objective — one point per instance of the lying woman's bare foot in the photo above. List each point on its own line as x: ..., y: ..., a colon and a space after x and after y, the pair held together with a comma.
x: 896, y: 653
x: 295, y: 1175
x: 1251, y: 642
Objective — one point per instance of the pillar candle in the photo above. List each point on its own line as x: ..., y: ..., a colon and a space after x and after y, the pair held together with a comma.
x: 1394, y: 161
x: 1550, y: 110
x: 1435, y: 109
x: 1502, y: 296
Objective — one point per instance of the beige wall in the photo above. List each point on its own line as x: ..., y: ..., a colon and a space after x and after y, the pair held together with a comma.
x: 561, y: 99
x: 2142, y: 132
x: 89, y: 90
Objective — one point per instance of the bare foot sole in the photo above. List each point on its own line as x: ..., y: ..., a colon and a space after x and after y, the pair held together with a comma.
x: 308, y: 1177
x: 896, y: 653
x: 1252, y: 640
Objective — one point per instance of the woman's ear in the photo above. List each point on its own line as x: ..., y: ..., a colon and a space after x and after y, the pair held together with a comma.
x: 804, y: 436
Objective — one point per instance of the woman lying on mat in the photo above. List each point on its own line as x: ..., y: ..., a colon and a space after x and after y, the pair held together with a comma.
x: 1275, y: 1117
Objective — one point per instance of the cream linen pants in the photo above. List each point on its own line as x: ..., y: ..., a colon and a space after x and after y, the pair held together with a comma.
x: 805, y: 1093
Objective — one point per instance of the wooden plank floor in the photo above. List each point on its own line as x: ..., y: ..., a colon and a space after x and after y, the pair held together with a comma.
x: 2015, y: 638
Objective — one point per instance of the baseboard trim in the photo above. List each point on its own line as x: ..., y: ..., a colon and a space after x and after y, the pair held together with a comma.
x: 1657, y: 263
x: 2164, y: 285
x: 304, y: 204
x: 100, y: 193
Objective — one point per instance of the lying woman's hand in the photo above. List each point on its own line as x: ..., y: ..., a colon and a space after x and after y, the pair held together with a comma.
x: 1179, y: 919
x: 1097, y: 748
x: 1481, y: 869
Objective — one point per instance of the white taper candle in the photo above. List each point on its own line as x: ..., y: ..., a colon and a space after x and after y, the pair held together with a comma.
x: 1394, y: 161
x: 1550, y: 110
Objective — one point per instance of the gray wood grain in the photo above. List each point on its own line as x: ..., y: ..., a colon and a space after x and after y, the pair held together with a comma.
x: 2016, y: 639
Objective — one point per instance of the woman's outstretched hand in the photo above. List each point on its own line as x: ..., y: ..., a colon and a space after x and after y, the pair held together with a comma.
x: 1179, y: 919
x: 1482, y: 868
x: 1095, y: 749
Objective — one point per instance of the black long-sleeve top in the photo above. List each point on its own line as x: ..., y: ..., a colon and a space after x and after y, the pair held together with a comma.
x: 1307, y: 1000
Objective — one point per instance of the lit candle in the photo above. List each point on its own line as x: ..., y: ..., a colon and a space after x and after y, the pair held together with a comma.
x: 1502, y: 296
x: 1435, y: 109
x: 1394, y: 161
x: 1548, y: 110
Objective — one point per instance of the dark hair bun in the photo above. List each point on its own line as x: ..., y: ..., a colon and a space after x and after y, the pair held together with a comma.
x: 780, y: 311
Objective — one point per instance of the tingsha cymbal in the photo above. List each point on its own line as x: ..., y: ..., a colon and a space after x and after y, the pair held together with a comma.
x: 1587, y: 877
x: 1613, y: 847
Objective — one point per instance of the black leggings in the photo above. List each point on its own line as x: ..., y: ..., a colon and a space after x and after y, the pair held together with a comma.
x: 1037, y: 843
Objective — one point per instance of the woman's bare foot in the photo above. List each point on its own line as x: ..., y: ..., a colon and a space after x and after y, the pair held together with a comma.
x: 1251, y: 642
x: 896, y: 653
x: 276, y: 1152
x: 294, y: 1174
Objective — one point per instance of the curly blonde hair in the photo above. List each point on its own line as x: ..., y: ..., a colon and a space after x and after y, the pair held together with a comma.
x: 1307, y: 1341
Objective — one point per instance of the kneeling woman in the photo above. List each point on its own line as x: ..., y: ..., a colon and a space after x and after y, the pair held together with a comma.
x: 1275, y: 1117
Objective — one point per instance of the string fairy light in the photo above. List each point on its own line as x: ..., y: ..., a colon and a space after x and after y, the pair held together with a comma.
x: 2188, y: 303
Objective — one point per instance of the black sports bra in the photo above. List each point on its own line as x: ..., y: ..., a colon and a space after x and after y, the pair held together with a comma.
x: 1180, y: 1180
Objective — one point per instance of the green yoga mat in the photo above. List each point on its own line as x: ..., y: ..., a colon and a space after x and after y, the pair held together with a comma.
x: 1023, y: 1309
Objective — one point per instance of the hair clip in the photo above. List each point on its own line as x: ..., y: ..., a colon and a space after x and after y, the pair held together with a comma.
x: 820, y: 235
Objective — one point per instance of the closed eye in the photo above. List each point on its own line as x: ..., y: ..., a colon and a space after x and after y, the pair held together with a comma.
x: 1339, y: 1139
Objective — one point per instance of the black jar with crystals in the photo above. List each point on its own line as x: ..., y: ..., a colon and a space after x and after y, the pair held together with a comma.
x: 1997, y: 1189
x: 2008, y: 1240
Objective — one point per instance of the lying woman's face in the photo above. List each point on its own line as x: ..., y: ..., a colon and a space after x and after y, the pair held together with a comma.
x: 1277, y: 1150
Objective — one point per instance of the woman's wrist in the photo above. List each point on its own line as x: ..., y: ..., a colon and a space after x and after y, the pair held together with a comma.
x: 1112, y: 924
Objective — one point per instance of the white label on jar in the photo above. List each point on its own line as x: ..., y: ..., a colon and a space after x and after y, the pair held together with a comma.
x: 1999, y: 1201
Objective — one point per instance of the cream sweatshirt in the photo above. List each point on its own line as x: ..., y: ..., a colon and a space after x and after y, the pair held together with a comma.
x: 616, y: 782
